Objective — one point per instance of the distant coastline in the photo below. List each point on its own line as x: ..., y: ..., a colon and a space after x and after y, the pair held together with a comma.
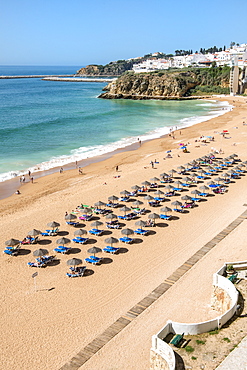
x: 33, y: 76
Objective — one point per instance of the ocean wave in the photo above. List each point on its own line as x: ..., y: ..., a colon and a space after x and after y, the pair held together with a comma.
x: 82, y: 153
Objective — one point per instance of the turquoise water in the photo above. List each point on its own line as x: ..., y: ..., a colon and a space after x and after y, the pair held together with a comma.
x: 45, y: 124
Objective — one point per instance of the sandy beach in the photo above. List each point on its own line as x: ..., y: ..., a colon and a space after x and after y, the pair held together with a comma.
x: 44, y: 329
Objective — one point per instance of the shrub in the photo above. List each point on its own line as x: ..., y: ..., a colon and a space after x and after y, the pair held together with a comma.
x: 189, y: 349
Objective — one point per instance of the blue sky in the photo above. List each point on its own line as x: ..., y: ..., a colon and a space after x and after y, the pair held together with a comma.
x: 79, y: 32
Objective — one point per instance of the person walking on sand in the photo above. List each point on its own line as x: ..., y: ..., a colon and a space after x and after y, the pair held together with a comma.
x: 61, y: 170
x: 116, y: 168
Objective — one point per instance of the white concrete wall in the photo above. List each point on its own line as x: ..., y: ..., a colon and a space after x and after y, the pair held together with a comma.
x: 164, y: 350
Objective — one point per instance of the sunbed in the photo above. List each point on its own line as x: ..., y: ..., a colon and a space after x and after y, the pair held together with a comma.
x: 62, y: 249
x: 141, y: 232
x: 80, y: 240
x: 165, y: 217
x: 92, y: 261
x: 125, y: 239
x: 76, y: 272
x: 111, y: 250
x: 12, y: 251
x: 72, y: 223
x: 96, y: 232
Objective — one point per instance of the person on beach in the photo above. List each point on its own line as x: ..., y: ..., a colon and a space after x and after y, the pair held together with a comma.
x: 152, y: 164
x: 116, y: 168
x: 31, y: 179
x: 23, y: 178
x: 80, y: 171
x: 17, y: 192
x: 61, y: 170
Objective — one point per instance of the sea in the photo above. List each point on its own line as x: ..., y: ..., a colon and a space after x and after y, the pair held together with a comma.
x: 47, y: 124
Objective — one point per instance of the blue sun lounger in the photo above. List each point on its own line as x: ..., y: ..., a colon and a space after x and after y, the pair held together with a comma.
x: 72, y: 223
x: 76, y: 272
x: 165, y: 217
x: 125, y: 239
x: 178, y: 210
x: 80, y: 240
x: 12, y: 251
x: 62, y: 249
x: 92, y: 261
x: 141, y: 232
x: 96, y: 232
x: 111, y: 250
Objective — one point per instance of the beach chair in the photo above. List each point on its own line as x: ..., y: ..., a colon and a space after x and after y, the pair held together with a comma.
x: 62, y: 249
x: 110, y: 225
x: 112, y: 205
x: 139, y: 211
x: 99, y: 259
x: 72, y: 223
x: 123, y: 199
x: 12, y: 251
x: 76, y: 272
x: 80, y: 240
x: 141, y: 232
x: 165, y: 217
x: 85, y: 217
x: 196, y: 199
x: 203, y: 194
x: 50, y: 232
x: 96, y: 232
x: 37, y: 264
x: 111, y: 250
x: 126, y: 240
x: 92, y: 261
x: 180, y: 210
x: 154, y: 204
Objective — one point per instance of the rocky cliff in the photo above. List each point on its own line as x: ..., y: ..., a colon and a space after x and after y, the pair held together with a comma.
x: 167, y: 84
x: 150, y: 86
x: 110, y: 69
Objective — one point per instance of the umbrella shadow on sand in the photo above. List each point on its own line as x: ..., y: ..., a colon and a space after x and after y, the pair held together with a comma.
x: 106, y: 261
x: 75, y: 250
x: 54, y: 262
x: 161, y: 224
x: 137, y: 241
x: 24, y: 252
x: 79, y: 225
x: 63, y: 233
x: 151, y: 232
x: 88, y: 272
x: 122, y: 250
x: 91, y: 241
x: 174, y: 218
x: 45, y: 242
x: 107, y: 232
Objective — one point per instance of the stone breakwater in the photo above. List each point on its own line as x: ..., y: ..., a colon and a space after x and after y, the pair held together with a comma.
x: 78, y: 79
x: 33, y: 76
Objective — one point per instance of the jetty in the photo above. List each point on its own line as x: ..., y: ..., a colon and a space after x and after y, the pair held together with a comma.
x: 77, y: 79
x: 34, y: 76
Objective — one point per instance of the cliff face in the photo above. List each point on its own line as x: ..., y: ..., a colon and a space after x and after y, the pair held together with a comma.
x: 111, y: 69
x: 151, y: 86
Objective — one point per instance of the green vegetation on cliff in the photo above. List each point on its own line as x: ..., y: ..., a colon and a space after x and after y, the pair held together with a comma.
x: 169, y: 84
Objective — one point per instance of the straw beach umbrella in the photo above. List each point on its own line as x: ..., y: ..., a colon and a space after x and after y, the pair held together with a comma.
x: 125, y: 209
x: 94, y: 250
x: 80, y: 232
x: 99, y: 204
x: 70, y: 217
x: 153, y: 216
x: 40, y: 252
x: 111, y: 216
x: 96, y: 223
x: 34, y: 232
x: 74, y: 262
x: 63, y: 241
x: 166, y: 209
x: 111, y: 240
x: 53, y: 224
x: 137, y: 203
x: 141, y: 223
x: 12, y: 242
x: 127, y: 231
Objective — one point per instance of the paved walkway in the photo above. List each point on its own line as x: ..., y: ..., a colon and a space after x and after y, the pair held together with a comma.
x: 237, y: 359
x: 87, y: 352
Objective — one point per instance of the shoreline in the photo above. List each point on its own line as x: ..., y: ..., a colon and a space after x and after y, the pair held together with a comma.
x: 8, y: 187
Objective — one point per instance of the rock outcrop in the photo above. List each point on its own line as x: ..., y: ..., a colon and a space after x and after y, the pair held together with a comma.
x: 151, y: 86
